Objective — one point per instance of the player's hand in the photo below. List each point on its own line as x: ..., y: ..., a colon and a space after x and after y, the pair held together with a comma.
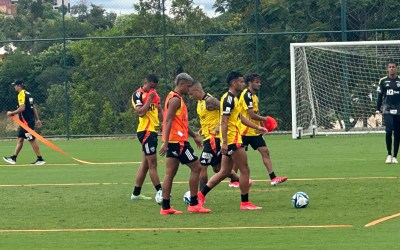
x: 39, y: 123
x: 262, y: 130
x: 152, y: 94
x: 163, y: 149
x: 199, y: 132
x: 198, y: 142
x: 10, y: 113
x: 216, y: 130
x: 224, y: 148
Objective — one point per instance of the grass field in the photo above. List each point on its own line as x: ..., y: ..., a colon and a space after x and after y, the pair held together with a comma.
x: 65, y: 205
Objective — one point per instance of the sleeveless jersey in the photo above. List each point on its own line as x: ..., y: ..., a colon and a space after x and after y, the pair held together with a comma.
x: 179, y: 129
x: 229, y: 106
x: 149, y: 122
x: 208, y: 119
x: 247, y: 101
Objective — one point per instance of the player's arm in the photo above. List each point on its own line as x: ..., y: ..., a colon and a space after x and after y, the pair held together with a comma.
x: 160, y: 113
x: 196, y: 138
x: 248, y: 100
x: 248, y: 123
x: 212, y: 103
x: 380, y: 97
x: 173, y: 105
x: 255, y: 116
x: 140, y: 108
x: 19, y: 110
x: 36, y: 115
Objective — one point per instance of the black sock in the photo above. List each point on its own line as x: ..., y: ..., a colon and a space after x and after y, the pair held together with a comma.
x: 245, y: 197
x: 233, y: 178
x: 193, y: 200
x: 205, y: 190
x: 136, y: 190
x: 389, y: 142
x: 40, y: 158
x: 158, y: 187
x: 14, y: 157
x: 272, y: 175
x: 166, y: 204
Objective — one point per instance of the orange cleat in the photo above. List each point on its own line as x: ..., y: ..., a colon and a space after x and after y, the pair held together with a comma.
x: 171, y: 210
x: 277, y: 180
x: 201, y: 199
x: 198, y: 209
x: 248, y: 206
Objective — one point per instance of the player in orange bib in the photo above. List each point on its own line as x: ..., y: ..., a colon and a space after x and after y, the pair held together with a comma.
x: 231, y: 142
x: 248, y: 102
x: 146, y: 103
x: 177, y: 148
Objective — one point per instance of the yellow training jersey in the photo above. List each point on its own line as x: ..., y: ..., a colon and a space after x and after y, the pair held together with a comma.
x: 230, y: 107
x: 247, y: 101
x: 209, y: 119
x: 149, y: 122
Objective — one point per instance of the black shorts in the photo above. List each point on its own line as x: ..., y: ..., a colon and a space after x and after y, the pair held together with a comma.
x: 254, y: 141
x: 211, y: 154
x: 184, y: 153
x: 232, y: 148
x: 22, y: 133
x: 392, y: 122
x: 149, y: 142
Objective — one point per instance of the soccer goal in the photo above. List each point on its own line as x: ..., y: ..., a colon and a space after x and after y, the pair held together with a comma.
x: 333, y: 86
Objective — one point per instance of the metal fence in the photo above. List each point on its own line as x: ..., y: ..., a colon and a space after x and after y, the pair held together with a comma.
x: 81, y: 62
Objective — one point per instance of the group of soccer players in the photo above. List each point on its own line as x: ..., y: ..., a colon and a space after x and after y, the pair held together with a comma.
x: 228, y: 127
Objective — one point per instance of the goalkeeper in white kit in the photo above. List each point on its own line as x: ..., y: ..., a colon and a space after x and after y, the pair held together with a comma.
x: 389, y: 98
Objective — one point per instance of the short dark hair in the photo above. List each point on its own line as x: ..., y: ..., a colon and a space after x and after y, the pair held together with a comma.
x: 232, y: 76
x: 18, y: 82
x: 391, y: 62
x: 152, y: 78
x: 251, y: 77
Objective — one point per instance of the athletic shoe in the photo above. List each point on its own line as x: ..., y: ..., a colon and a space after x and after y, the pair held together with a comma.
x: 9, y: 160
x: 139, y: 197
x: 277, y: 180
x: 248, y: 206
x: 38, y: 162
x: 201, y: 199
x: 171, y: 210
x: 388, y: 159
x: 394, y: 160
x: 235, y: 184
x: 198, y: 209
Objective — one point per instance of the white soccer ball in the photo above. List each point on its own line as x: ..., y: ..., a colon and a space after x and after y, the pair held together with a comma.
x: 186, y: 198
x: 158, y: 197
x: 300, y: 200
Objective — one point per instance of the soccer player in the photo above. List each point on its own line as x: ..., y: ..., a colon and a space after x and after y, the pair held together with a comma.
x: 177, y: 148
x: 389, y: 96
x: 146, y: 103
x: 28, y: 114
x: 248, y: 102
x: 208, y: 111
x: 231, y: 142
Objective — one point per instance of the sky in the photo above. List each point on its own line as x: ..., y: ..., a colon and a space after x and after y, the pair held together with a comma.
x: 126, y: 6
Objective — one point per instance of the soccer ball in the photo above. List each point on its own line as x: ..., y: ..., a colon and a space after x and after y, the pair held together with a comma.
x: 300, y: 200
x: 186, y: 198
x: 158, y: 197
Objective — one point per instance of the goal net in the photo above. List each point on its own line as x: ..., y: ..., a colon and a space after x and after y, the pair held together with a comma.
x: 333, y: 86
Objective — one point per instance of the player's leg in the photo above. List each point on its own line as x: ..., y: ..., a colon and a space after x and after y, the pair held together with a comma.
x: 35, y: 146
x: 171, y: 167
x: 240, y: 159
x: 203, y: 178
x: 396, y: 141
x: 195, y: 206
x: 151, y: 158
x: 20, y: 143
x: 389, y: 126
x: 139, y: 180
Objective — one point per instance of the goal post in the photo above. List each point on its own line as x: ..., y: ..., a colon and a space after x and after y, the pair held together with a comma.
x: 333, y: 86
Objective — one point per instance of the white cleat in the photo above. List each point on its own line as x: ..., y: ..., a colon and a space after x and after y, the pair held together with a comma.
x: 389, y: 159
x: 394, y: 160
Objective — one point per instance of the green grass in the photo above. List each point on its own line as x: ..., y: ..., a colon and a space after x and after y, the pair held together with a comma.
x: 349, y: 201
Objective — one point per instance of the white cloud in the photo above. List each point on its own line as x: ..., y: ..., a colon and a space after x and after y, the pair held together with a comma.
x: 126, y: 6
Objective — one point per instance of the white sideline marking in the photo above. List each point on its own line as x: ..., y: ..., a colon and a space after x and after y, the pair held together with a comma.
x: 74, y: 164
x: 184, y: 182
x: 164, y: 229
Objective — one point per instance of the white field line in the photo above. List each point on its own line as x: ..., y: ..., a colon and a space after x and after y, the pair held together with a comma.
x: 74, y: 164
x: 164, y: 229
x: 373, y: 223
x: 184, y: 182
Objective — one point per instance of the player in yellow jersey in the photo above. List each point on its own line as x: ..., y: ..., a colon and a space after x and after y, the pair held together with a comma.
x: 248, y: 101
x: 146, y: 103
x: 28, y: 114
x: 231, y: 142
x: 208, y: 112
